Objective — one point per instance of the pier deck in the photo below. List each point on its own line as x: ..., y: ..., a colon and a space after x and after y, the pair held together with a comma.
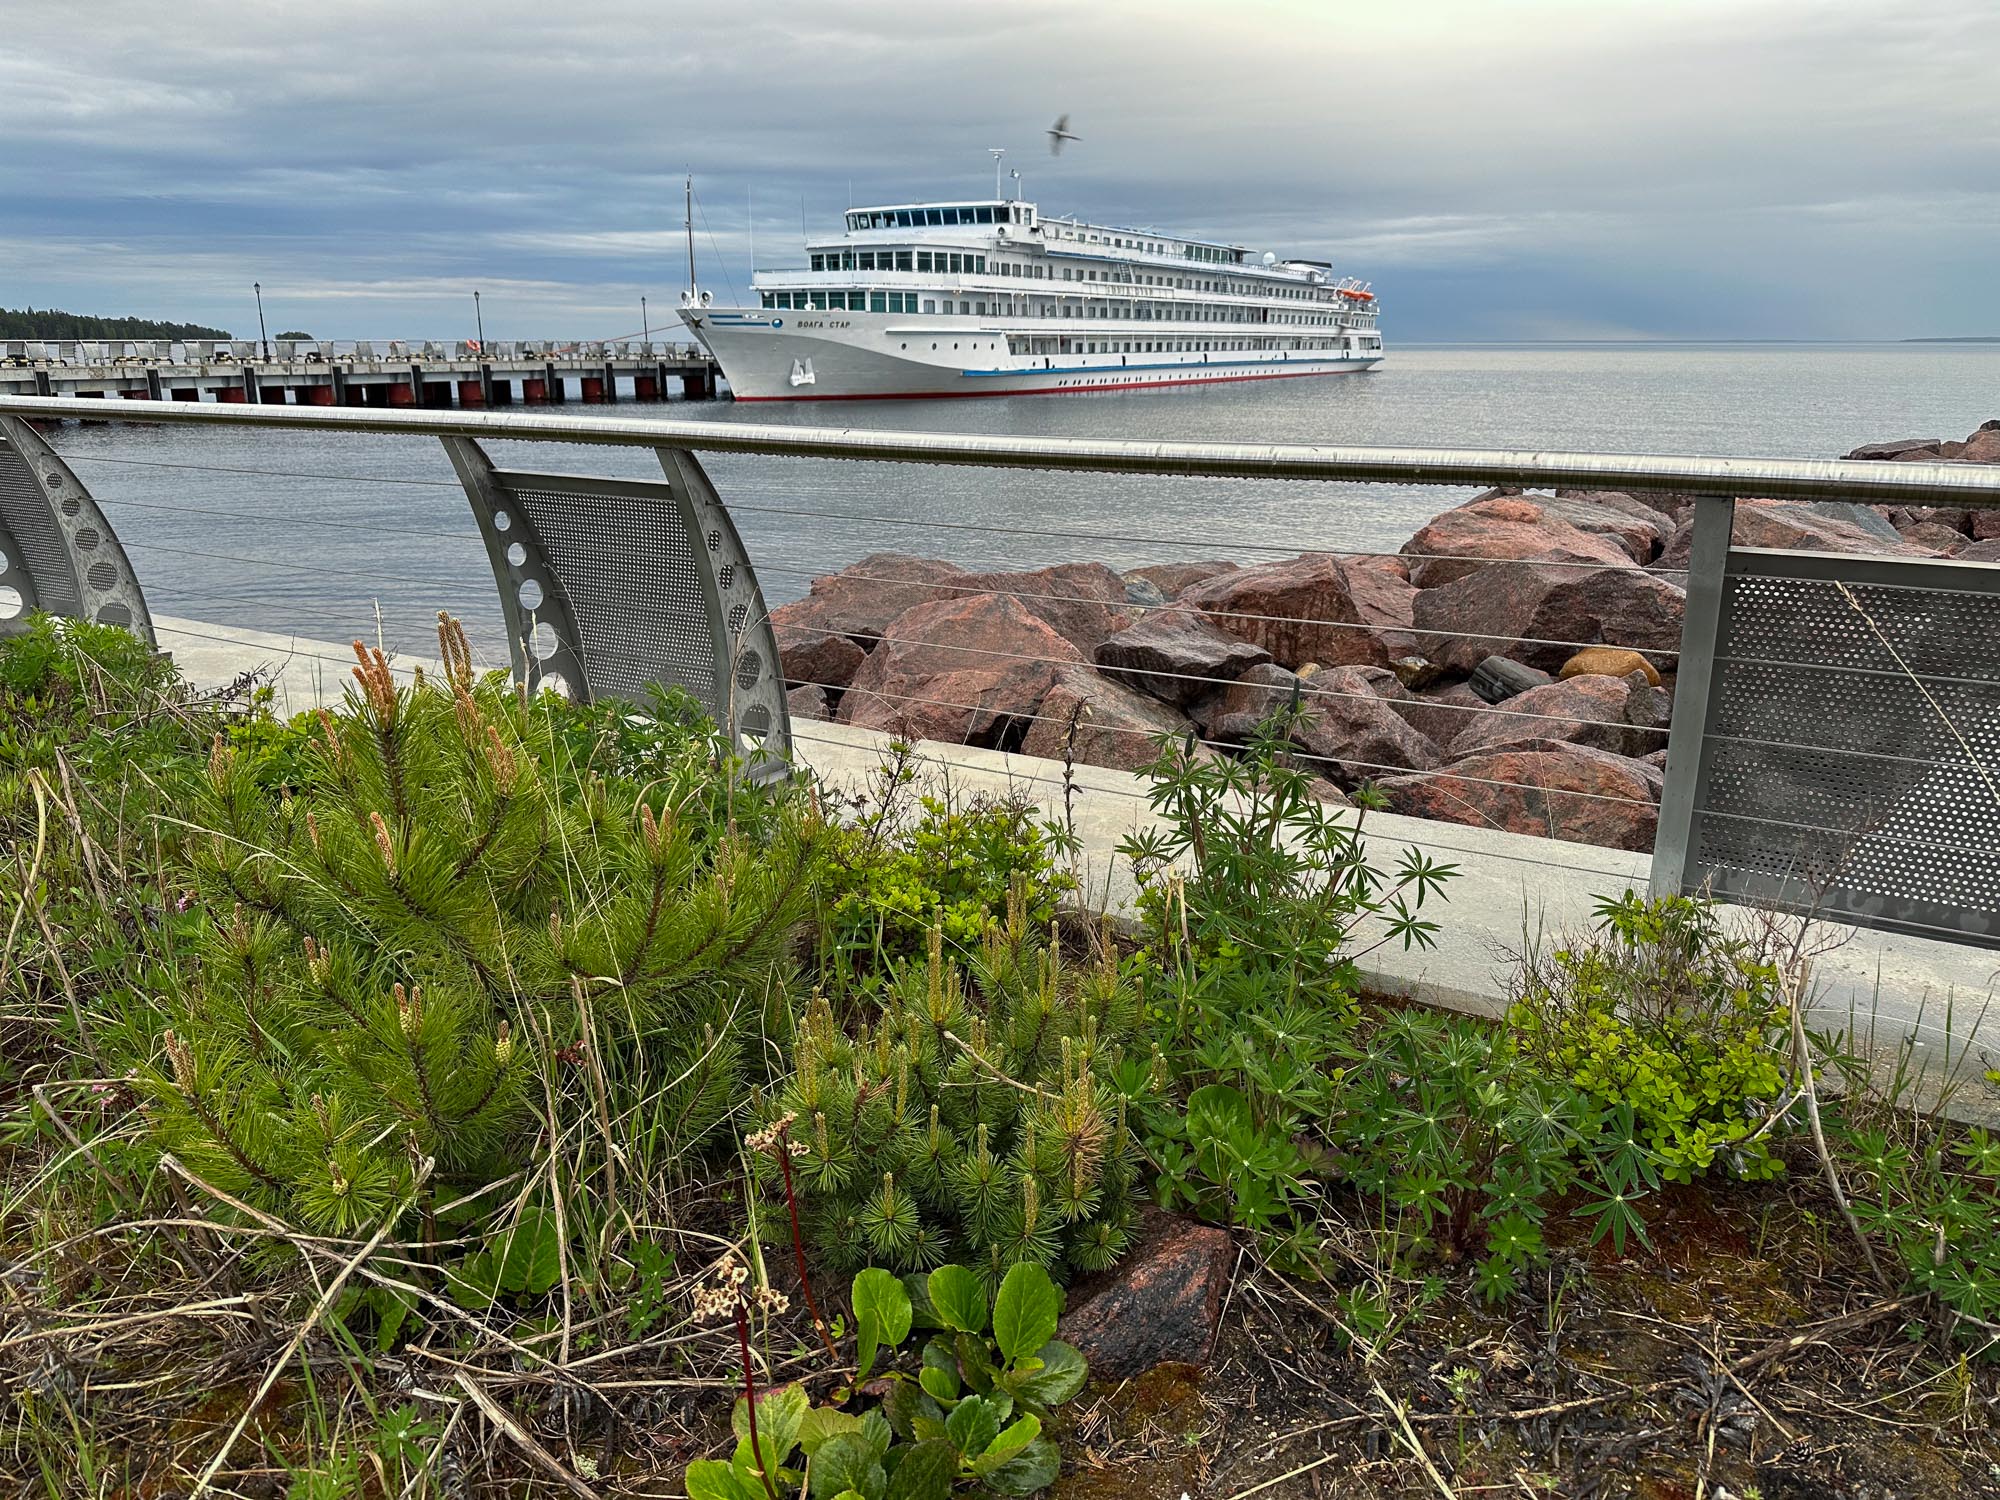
x: 380, y: 372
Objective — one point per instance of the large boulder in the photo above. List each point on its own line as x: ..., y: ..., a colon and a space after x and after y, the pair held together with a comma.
x: 1639, y: 528
x: 1810, y: 526
x: 809, y: 702
x: 1301, y: 610
x: 1922, y: 447
x: 1098, y: 722
x: 1177, y: 655
x: 1357, y: 734
x: 1082, y: 602
x: 1349, y: 724
x: 1547, y: 788
x: 1385, y: 598
x: 821, y: 658
x: 860, y: 600
x: 1938, y: 540
x: 1986, y: 525
x: 1987, y: 551
x: 1596, y: 711
x: 1440, y: 713
x: 1235, y: 712
x: 970, y: 670
x: 1539, y: 614
x: 1163, y: 1302
x: 1176, y: 578
x: 1983, y: 447
x: 1500, y: 527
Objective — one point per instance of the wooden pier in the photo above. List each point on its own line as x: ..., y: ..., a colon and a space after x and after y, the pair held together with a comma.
x: 382, y: 372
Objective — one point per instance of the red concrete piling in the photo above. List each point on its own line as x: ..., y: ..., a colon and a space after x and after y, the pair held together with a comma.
x: 232, y: 394
x: 470, y: 393
x: 137, y: 395
x: 593, y: 389
x: 401, y: 393
x: 316, y: 395
x: 645, y: 388
x: 534, y: 392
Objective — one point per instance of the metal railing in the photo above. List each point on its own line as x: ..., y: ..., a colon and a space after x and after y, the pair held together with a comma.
x: 1748, y: 805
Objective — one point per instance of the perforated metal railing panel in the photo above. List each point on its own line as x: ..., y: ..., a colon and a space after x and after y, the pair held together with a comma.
x: 32, y: 540
x: 625, y: 557
x: 1851, y: 751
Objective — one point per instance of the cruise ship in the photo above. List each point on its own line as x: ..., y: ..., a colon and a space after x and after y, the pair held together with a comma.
x: 993, y: 298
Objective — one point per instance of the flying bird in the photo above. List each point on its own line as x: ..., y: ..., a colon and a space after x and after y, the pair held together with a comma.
x: 1058, y: 133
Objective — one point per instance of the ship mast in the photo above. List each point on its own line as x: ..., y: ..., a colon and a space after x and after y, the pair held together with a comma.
x: 690, y: 233
x: 996, y: 152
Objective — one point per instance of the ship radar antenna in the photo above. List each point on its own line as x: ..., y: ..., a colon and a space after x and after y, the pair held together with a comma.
x: 996, y: 152
x: 1015, y: 173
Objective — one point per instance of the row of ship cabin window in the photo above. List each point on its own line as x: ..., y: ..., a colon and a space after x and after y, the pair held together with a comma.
x: 953, y: 264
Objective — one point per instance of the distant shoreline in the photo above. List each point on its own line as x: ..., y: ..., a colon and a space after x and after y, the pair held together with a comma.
x: 1963, y: 338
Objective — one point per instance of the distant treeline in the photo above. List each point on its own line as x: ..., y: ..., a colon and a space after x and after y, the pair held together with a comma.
x: 48, y: 323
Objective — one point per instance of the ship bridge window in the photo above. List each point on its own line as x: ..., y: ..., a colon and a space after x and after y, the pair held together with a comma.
x: 902, y: 260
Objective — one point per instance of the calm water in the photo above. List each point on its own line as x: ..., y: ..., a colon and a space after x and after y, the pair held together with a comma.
x: 324, y: 531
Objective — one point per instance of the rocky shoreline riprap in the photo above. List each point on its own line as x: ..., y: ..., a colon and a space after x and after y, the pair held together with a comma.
x: 1511, y: 667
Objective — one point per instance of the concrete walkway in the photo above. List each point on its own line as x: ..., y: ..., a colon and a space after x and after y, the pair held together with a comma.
x: 1512, y: 890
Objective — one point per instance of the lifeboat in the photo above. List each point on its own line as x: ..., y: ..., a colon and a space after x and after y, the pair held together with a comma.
x: 1352, y: 295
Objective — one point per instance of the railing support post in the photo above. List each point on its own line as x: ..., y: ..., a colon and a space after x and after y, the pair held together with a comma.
x: 1708, y: 561
x: 61, y: 555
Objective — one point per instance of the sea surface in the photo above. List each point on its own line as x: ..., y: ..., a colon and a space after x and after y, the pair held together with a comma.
x: 333, y: 535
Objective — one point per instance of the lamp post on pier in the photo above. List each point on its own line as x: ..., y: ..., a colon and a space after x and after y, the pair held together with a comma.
x: 480, y: 320
x: 645, y: 327
x: 263, y: 338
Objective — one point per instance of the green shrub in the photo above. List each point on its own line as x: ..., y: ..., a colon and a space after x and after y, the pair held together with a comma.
x: 440, y: 908
x: 1256, y: 896
x: 1665, y: 1012
x: 970, y: 1114
x: 905, y: 869
x: 970, y: 1418
x: 1463, y: 1145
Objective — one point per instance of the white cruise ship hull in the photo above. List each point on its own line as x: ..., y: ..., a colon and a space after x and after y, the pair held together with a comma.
x: 800, y: 355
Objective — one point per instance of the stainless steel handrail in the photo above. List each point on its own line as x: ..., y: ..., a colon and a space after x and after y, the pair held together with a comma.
x: 1868, y: 481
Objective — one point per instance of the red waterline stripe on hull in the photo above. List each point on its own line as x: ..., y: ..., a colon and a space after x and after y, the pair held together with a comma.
x: 1050, y: 390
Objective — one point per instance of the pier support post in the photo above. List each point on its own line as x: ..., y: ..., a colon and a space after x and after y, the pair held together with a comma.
x: 645, y: 388
x: 554, y: 389
x: 534, y: 392
x: 610, y: 382
x: 155, y: 389
x: 593, y: 389
x: 485, y: 386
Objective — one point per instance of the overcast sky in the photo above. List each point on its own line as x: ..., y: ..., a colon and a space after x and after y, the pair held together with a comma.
x: 1518, y: 170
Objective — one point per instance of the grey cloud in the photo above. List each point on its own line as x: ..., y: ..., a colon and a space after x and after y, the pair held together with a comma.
x: 1724, y: 146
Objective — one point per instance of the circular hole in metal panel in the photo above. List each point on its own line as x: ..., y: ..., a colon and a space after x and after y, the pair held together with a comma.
x: 114, y: 614
x: 531, y: 593
x: 12, y: 602
x: 756, y: 721
x: 725, y: 576
x: 749, y: 667
x: 102, y: 574
x: 71, y: 505
x: 52, y: 479
x: 87, y: 538
x: 554, y: 682
x: 738, y: 613
x: 542, y: 642
x: 501, y: 520
x: 516, y: 554
x: 715, y: 541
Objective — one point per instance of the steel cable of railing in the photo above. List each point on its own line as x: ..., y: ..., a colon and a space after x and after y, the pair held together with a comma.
x: 1305, y: 686
x: 1373, y: 627
x: 1298, y: 754
x: 918, y: 523
x: 1135, y: 795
